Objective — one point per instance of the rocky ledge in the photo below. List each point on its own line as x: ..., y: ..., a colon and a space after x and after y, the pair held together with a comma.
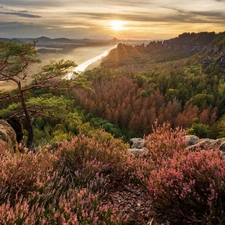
x: 194, y: 142
x: 137, y: 145
x: 8, y: 136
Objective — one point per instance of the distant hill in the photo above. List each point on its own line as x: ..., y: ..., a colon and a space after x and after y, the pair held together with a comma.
x: 183, y: 46
x: 49, y: 45
x: 5, y: 39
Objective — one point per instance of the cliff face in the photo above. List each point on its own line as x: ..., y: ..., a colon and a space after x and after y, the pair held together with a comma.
x: 185, y: 45
x: 8, y: 136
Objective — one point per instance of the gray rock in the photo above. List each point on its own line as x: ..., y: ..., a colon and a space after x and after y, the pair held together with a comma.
x: 191, y: 139
x: 222, y: 147
x: 206, y: 142
x: 137, y: 143
x: 8, y: 136
x: 206, y: 62
x: 137, y: 151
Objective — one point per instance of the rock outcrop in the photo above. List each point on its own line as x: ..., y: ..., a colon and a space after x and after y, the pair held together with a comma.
x: 137, y: 146
x: 206, y: 62
x: 191, y: 139
x: 193, y: 142
x: 8, y: 136
x: 221, y: 62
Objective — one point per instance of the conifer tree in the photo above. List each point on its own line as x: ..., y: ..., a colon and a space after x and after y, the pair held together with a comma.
x: 14, y: 62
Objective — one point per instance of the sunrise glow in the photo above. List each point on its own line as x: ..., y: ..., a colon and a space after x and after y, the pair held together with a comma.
x: 117, y: 25
x: 133, y: 19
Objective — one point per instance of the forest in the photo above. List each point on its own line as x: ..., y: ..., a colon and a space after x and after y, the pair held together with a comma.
x: 77, y: 132
x: 180, y: 81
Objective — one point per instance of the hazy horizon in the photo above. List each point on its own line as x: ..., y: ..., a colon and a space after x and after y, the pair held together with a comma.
x: 102, y: 19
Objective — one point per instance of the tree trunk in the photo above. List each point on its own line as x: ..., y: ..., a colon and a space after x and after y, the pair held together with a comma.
x: 30, y: 139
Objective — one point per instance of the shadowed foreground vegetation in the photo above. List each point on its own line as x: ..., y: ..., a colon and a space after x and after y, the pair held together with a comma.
x: 71, y: 184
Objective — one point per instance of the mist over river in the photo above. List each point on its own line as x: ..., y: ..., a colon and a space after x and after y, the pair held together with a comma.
x: 83, y: 66
x: 80, y: 55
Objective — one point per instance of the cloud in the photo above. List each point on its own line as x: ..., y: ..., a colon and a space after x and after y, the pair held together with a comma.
x: 178, y: 16
x: 72, y: 17
x: 21, y: 14
x: 33, y: 30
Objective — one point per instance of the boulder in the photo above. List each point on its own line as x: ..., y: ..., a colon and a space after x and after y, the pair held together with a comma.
x: 191, y: 139
x: 137, y: 143
x: 222, y: 147
x: 137, y: 147
x: 137, y: 151
x: 206, y: 142
x: 197, y: 144
x: 8, y: 136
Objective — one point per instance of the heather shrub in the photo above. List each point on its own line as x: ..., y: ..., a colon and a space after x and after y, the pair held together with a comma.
x: 161, y: 145
x: 83, y: 207
x: 76, y: 206
x: 164, y: 142
x: 190, y: 188
x: 86, y: 160
x: 21, y: 174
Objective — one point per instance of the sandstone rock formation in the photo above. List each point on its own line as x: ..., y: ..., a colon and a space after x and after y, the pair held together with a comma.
x: 8, y: 136
x: 206, y: 62
x: 137, y: 146
x: 193, y: 142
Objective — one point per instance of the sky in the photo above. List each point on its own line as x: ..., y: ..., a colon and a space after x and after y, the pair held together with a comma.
x: 135, y: 19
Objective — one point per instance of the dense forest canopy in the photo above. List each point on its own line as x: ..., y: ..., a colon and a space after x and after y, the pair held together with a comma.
x: 180, y: 81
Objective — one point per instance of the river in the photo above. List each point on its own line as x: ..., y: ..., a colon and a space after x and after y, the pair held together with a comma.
x: 83, y: 66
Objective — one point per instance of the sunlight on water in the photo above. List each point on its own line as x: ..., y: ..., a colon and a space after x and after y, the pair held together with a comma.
x: 81, y: 68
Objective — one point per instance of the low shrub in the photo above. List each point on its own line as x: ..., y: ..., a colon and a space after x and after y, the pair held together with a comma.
x: 161, y: 145
x: 21, y: 174
x: 75, y: 207
x: 190, y: 188
x: 85, y: 159
x: 164, y: 142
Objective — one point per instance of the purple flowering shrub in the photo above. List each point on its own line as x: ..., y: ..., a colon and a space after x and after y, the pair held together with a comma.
x: 64, y: 187
x: 161, y: 145
x: 190, y: 188
x: 86, y: 160
x: 185, y: 185
x: 75, y: 207
x: 71, y: 184
x: 164, y: 142
x: 21, y: 174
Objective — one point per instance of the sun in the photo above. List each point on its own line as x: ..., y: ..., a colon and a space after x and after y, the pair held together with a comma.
x: 117, y: 25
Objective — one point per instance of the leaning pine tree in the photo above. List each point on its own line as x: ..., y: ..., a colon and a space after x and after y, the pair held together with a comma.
x: 14, y: 62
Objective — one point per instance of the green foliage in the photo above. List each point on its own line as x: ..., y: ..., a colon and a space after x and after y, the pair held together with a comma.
x: 202, y: 100
x: 199, y: 129
x: 54, y: 69
x: 11, y: 109
x: 221, y: 128
x: 172, y: 93
x: 14, y: 60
